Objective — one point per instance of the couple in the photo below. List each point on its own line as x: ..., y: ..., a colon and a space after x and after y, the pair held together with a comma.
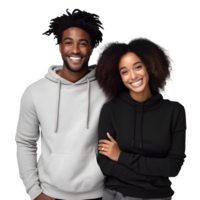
x: 106, y: 131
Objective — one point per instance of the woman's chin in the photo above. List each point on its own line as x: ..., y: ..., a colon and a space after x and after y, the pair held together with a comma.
x: 137, y: 90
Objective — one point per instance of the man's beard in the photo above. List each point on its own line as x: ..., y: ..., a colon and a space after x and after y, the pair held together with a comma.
x: 83, y: 66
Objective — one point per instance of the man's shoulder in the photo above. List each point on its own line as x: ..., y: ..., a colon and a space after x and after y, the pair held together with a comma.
x: 38, y: 83
x: 36, y: 86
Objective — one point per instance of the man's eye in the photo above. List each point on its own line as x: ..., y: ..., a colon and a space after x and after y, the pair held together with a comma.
x: 70, y: 42
x: 83, y: 44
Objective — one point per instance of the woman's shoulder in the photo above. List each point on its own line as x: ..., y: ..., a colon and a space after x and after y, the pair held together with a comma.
x: 175, y: 105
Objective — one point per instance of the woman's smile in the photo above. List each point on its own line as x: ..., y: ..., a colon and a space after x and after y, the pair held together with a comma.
x: 137, y: 84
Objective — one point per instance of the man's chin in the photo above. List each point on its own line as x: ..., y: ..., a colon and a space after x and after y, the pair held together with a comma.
x: 76, y: 69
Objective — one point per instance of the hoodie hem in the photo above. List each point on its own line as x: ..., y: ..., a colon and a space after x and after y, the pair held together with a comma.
x: 161, y: 193
x: 59, y: 194
x: 142, y: 193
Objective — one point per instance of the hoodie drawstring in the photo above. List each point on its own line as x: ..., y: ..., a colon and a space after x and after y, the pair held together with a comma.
x: 57, y: 107
x: 141, y: 143
x: 133, y: 140
x: 58, y: 103
x: 88, y: 108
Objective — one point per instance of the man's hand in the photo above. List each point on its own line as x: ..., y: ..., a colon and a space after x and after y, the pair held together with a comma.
x: 44, y: 197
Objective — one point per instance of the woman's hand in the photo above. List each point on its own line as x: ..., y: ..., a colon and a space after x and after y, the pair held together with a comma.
x: 111, y: 148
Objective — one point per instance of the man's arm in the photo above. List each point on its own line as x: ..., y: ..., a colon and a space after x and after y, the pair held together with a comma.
x: 26, y: 138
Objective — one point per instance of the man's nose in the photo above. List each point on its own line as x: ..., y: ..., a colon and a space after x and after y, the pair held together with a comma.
x: 75, y: 49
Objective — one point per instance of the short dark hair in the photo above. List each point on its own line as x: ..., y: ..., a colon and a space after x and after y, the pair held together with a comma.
x: 81, y: 19
x: 156, y: 61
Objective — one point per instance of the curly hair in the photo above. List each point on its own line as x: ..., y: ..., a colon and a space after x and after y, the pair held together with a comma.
x: 81, y: 19
x: 156, y: 61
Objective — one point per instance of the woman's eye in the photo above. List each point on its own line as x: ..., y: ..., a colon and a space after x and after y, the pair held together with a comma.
x: 124, y: 72
x: 136, y: 68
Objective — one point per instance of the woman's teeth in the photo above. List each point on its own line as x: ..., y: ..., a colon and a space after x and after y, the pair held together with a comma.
x: 136, y: 83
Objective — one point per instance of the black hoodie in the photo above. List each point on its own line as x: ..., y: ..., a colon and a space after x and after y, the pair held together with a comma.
x: 151, y: 137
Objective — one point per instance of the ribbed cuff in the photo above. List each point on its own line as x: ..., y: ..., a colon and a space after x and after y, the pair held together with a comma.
x: 35, y: 191
x: 124, y: 158
x: 108, y: 167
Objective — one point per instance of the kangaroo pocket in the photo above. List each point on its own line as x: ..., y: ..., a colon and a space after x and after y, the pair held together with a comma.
x: 72, y: 172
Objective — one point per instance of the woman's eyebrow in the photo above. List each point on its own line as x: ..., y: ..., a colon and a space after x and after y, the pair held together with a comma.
x: 133, y: 65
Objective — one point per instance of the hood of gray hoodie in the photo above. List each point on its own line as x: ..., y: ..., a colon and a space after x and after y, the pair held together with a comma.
x: 54, y: 77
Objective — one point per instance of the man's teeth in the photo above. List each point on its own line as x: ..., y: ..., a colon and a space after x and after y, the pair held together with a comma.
x: 136, y: 83
x: 74, y: 58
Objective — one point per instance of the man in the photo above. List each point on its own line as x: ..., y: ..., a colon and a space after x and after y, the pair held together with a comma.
x: 66, y: 105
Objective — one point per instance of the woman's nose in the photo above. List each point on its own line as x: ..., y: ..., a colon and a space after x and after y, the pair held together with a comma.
x: 133, y: 75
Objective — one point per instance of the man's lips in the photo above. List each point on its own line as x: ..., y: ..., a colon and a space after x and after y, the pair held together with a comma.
x: 75, y: 60
x: 76, y: 56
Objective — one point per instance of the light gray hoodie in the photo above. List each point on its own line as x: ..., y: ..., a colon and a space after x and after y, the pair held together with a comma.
x: 67, y: 114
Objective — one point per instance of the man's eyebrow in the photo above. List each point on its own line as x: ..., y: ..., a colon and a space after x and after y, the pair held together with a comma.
x: 133, y: 65
x: 67, y: 38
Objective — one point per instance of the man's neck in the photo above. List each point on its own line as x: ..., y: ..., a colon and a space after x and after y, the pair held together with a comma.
x: 72, y: 76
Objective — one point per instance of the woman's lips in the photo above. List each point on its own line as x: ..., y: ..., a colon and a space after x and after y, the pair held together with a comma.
x: 140, y: 83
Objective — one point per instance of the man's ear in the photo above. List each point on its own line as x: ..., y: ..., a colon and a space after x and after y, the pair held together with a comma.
x: 92, y: 51
x: 60, y: 47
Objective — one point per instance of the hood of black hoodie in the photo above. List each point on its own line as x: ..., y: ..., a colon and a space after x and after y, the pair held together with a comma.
x: 152, y: 103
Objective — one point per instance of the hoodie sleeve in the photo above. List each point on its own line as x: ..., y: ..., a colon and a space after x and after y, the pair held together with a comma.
x: 26, y: 137
x: 108, y: 166
x: 168, y: 166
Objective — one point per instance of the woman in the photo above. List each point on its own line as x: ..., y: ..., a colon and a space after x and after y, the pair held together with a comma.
x: 141, y: 135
